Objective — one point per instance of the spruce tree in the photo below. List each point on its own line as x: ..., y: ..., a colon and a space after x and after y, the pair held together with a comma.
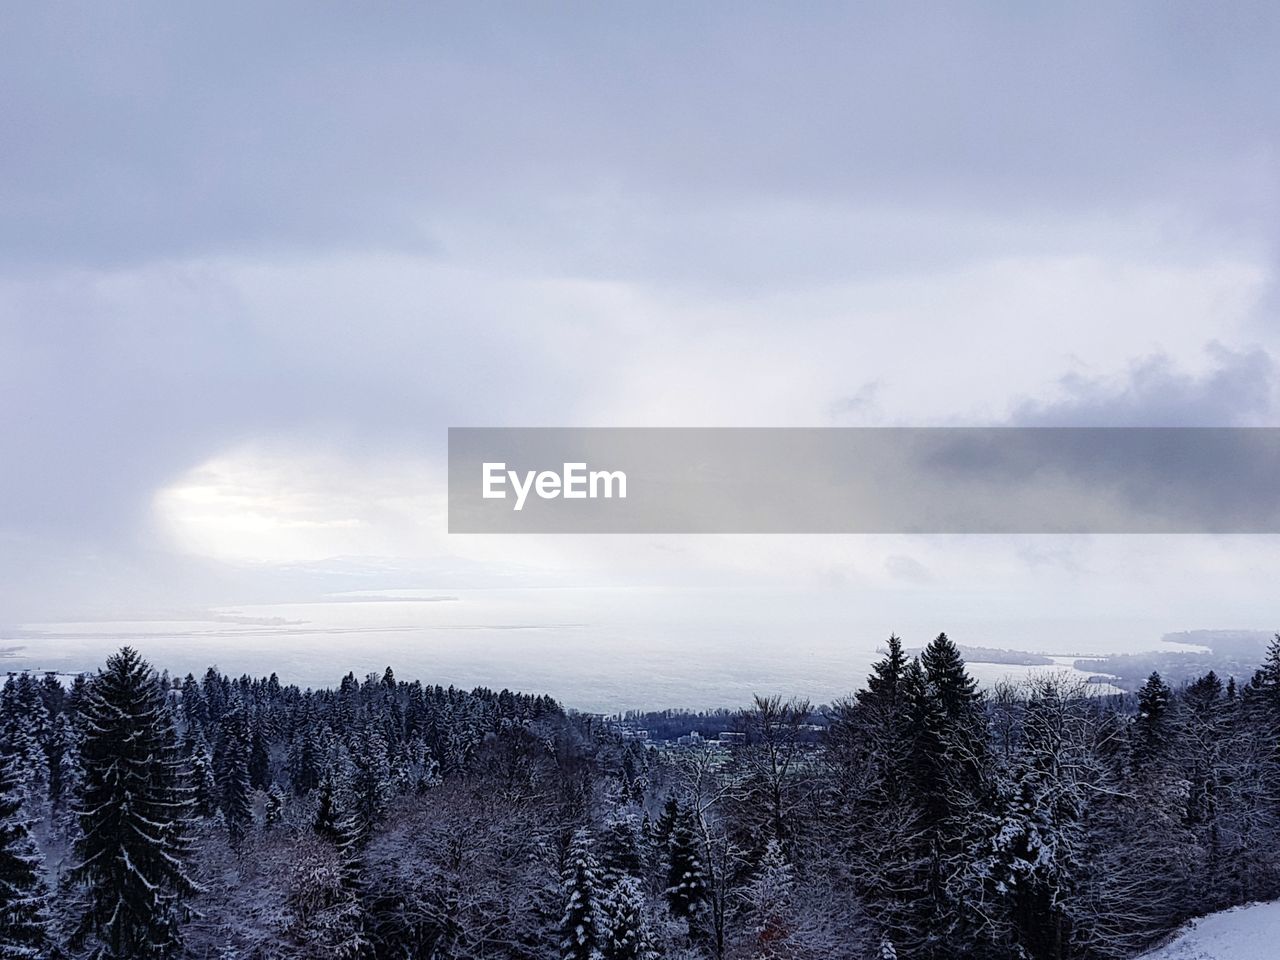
x: 580, y: 925
x: 329, y: 821
x: 884, y: 683
x: 24, y: 919
x: 237, y: 801
x: 946, y: 765
x: 625, y: 933
x: 204, y: 784
x: 134, y: 816
x: 1151, y: 727
x: 622, y: 854
x: 63, y: 749
x: 274, y: 805
x: 371, y: 785
x: 686, y: 879
x: 259, y: 753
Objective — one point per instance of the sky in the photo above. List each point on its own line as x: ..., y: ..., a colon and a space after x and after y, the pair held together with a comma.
x: 255, y: 259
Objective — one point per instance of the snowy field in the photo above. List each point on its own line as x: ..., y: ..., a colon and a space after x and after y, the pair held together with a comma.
x: 1245, y: 933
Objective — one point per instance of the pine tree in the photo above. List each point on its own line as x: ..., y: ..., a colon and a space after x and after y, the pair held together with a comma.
x: 237, y: 801
x: 24, y: 726
x: 666, y: 822
x: 70, y: 777
x: 24, y: 918
x: 134, y: 816
x: 231, y: 769
x: 274, y: 805
x: 305, y: 759
x: 625, y: 933
x: 946, y: 765
x: 329, y: 821
x: 686, y: 879
x: 1263, y: 692
x: 204, y: 784
x: 768, y: 898
x: 259, y: 753
x: 371, y: 784
x: 1152, y: 731
x: 622, y: 854
x: 63, y: 750
x: 580, y: 933
x: 884, y: 683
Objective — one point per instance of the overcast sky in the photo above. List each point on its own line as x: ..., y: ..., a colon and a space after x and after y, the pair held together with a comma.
x: 256, y: 258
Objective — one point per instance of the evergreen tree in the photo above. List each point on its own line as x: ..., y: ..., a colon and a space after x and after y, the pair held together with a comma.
x: 625, y: 933
x: 305, y: 759
x: 24, y: 726
x: 580, y: 925
x: 622, y: 854
x: 70, y: 778
x: 329, y: 821
x: 231, y: 769
x: 204, y: 785
x: 274, y: 805
x: 884, y: 684
x: 946, y: 765
x: 768, y: 898
x: 259, y: 753
x: 63, y: 750
x: 371, y: 784
x: 666, y: 822
x: 1152, y: 730
x: 686, y: 878
x: 134, y: 816
x: 24, y: 919
x: 237, y: 800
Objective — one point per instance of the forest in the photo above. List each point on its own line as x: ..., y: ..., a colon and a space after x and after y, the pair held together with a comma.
x: 147, y: 816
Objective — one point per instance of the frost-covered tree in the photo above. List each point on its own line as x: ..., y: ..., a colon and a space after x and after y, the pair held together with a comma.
x: 231, y: 764
x: 370, y: 784
x: 24, y: 728
x: 63, y: 751
x: 330, y: 821
x: 581, y: 935
x: 686, y: 878
x: 624, y: 926
x: 621, y: 844
x: 24, y: 916
x: 273, y: 806
x: 204, y: 785
x: 1152, y: 726
x: 768, y: 902
x: 134, y: 813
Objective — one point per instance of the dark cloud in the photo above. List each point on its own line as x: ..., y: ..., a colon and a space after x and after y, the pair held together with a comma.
x: 1238, y: 390
x: 147, y: 130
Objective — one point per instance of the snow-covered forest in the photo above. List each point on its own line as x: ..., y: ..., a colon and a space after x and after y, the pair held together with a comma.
x: 143, y: 816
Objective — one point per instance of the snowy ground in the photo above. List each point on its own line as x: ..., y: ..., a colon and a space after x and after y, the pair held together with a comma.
x: 1245, y: 933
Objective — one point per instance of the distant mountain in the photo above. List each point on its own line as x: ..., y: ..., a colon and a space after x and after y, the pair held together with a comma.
x: 1230, y: 653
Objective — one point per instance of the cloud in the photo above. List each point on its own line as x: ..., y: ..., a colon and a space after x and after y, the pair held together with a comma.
x: 1237, y: 389
x: 327, y: 236
x: 157, y: 132
x: 909, y: 569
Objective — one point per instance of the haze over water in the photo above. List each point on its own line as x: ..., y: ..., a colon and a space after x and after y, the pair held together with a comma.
x: 601, y: 650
